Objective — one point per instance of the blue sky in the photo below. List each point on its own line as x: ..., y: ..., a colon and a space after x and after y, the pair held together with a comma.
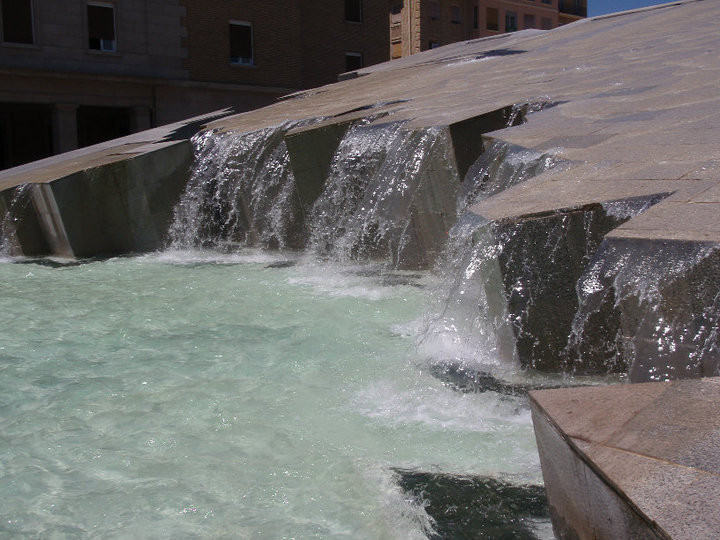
x: 601, y: 7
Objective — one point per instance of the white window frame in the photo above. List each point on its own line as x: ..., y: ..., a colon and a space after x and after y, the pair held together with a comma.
x: 106, y: 45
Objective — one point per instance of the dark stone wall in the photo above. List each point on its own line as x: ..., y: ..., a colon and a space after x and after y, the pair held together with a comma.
x: 123, y: 207
x: 541, y: 260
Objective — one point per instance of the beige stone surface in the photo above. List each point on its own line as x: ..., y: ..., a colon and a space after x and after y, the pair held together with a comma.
x: 637, y: 98
x: 655, y: 445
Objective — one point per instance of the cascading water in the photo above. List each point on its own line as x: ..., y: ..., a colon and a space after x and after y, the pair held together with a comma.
x: 469, y: 322
x: 660, y: 310
x: 8, y: 226
x: 240, y: 193
x: 365, y: 208
x: 293, y: 403
x: 500, y: 167
x: 595, y: 340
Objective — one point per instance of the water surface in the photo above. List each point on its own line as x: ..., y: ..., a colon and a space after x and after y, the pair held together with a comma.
x: 189, y: 394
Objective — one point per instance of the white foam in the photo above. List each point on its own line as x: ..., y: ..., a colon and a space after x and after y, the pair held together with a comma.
x: 198, y: 256
x: 435, y: 405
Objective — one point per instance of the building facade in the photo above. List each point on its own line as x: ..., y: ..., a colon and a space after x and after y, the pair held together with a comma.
x: 78, y: 72
x: 419, y: 25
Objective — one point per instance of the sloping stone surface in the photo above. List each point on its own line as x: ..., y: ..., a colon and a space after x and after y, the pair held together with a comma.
x: 639, y: 459
x: 637, y: 112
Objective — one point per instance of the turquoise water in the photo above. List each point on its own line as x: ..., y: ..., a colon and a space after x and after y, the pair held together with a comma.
x: 186, y: 395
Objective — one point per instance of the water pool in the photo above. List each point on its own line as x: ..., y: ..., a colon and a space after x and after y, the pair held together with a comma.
x: 189, y: 394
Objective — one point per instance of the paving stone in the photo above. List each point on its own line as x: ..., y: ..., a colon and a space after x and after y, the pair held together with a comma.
x: 647, y: 454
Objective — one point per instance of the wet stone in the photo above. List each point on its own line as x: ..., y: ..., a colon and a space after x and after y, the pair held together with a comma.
x: 282, y: 264
x: 475, y: 506
x: 469, y: 380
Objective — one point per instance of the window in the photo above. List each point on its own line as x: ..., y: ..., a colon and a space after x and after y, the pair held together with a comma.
x: 476, y: 18
x: 546, y: 23
x: 455, y: 14
x: 510, y: 21
x: 546, y: 1
x: 434, y: 9
x: 241, y: 43
x: 491, y: 19
x: 528, y: 21
x: 353, y: 10
x: 101, y: 27
x: 17, y: 21
x: 396, y: 13
x: 353, y: 61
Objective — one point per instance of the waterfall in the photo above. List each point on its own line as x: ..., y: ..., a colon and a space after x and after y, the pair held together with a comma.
x: 469, y: 320
x: 241, y: 192
x: 376, y: 173
x: 11, y: 219
x: 654, y: 313
x: 543, y: 292
x: 500, y: 167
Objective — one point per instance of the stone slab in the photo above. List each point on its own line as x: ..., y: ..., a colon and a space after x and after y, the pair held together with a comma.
x: 652, y: 447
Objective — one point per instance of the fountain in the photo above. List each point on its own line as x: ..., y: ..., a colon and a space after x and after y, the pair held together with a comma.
x: 547, y: 218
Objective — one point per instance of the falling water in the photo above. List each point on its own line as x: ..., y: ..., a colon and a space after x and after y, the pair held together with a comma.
x: 500, y: 167
x: 469, y: 323
x: 366, y: 205
x: 240, y: 193
x: 659, y: 308
x: 8, y: 226
x: 296, y: 402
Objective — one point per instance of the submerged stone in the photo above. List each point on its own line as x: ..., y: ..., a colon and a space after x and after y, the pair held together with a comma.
x: 282, y: 264
x: 475, y: 506
x: 470, y: 380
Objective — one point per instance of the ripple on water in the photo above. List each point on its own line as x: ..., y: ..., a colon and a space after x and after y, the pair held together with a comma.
x: 197, y: 395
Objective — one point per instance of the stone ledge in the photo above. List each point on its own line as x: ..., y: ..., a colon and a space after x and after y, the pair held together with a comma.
x: 631, y: 461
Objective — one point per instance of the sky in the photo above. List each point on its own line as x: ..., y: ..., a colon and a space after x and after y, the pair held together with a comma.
x: 601, y: 7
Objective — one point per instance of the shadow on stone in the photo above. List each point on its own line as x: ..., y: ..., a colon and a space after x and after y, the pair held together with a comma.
x: 475, y: 506
x: 499, y: 52
x: 187, y: 131
x: 54, y: 263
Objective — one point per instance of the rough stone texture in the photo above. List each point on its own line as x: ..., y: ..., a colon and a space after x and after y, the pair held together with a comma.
x: 631, y: 461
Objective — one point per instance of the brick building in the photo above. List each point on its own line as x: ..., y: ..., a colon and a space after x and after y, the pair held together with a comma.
x: 418, y: 25
x: 77, y: 72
